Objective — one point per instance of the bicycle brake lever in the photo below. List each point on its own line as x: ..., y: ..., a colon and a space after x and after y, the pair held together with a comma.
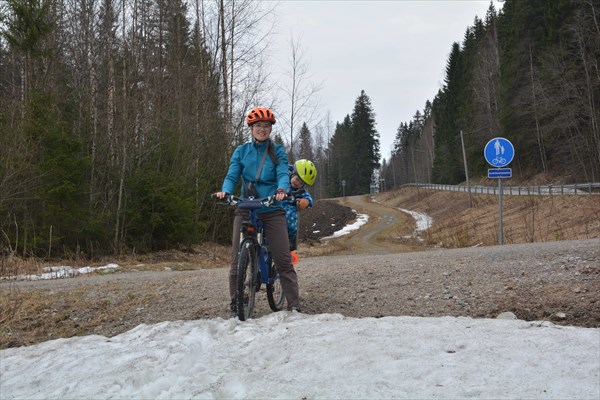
x: 269, y: 201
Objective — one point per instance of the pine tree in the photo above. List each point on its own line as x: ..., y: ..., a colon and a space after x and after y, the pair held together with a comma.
x: 339, y: 159
x: 364, y: 145
x: 306, y: 148
x: 446, y: 107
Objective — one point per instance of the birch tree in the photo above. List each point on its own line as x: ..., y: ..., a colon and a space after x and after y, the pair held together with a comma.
x: 301, y: 93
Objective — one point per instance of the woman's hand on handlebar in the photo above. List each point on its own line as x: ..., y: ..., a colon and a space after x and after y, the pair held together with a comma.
x: 221, y: 195
x: 280, y: 194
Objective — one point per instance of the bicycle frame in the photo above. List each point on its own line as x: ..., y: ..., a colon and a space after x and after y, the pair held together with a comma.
x: 254, y: 228
x: 255, y: 265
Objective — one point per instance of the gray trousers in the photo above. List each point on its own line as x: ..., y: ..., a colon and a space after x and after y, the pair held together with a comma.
x: 276, y: 232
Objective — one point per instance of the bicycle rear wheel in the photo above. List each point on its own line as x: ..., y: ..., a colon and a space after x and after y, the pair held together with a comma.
x: 275, y: 293
x: 247, y: 270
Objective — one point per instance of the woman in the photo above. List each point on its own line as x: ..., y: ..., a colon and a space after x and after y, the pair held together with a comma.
x: 263, y: 167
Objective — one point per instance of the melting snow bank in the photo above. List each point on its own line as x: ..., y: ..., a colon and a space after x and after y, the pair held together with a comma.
x: 361, y: 219
x: 423, y: 220
x: 60, y: 272
x: 291, y: 355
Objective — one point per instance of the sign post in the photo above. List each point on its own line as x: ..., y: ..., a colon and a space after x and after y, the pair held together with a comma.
x: 499, y: 152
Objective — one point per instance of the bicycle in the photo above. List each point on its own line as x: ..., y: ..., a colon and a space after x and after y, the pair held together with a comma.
x: 255, y: 264
x: 499, y: 160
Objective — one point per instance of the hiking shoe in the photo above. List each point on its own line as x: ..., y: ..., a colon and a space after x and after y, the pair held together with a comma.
x: 297, y: 309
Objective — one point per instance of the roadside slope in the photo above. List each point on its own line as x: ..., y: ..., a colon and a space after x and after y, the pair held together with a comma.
x: 525, y: 219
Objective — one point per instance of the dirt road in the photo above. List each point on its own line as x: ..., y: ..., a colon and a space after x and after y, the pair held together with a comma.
x: 387, y: 231
x: 372, y: 272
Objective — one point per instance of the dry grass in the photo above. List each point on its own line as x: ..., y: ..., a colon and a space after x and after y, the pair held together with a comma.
x: 204, y: 256
x: 28, y: 316
x: 325, y: 248
x: 524, y: 218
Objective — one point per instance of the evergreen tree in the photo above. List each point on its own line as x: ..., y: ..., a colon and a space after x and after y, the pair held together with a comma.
x: 525, y: 73
x: 364, y: 146
x: 340, y: 159
x: 446, y: 107
x: 306, y: 148
x: 58, y: 207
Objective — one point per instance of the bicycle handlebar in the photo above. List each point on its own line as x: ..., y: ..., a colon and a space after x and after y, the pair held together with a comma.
x: 265, y: 201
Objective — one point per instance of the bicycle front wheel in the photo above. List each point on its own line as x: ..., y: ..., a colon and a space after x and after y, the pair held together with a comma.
x: 275, y: 293
x: 247, y: 270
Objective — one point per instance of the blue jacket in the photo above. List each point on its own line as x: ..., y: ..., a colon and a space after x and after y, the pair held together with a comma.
x: 244, y: 164
x: 291, y: 209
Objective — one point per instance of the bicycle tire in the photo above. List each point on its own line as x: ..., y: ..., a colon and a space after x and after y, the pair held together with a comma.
x: 275, y: 294
x: 247, y: 269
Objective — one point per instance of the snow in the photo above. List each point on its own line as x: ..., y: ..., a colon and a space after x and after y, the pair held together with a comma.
x: 61, y: 271
x: 361, y: 219
x: 422, y: 220
x: 288, y: 355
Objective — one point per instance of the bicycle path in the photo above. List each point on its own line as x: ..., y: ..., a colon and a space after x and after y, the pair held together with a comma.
x: 381, y: 234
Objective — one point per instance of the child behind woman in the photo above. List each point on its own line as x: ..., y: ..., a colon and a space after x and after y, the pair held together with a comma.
x: 303, y: 172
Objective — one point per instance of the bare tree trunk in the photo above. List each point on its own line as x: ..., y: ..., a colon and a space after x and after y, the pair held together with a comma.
x: 232, y: 63
x: 595, y: 19
x: 224, y: 75
x: 117, y: 238
x: 294, y: 75
x: 535, y: 114
x: 299, y: 92
x: 590, y: 89
x: 93, y: 82
x: 110, y: 101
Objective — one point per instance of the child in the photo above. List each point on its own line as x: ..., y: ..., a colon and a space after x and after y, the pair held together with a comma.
x: 303, y: 172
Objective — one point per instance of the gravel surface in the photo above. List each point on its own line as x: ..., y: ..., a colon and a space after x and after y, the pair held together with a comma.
x: 555, y: 281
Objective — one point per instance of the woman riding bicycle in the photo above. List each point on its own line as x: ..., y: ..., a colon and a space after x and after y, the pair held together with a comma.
x: 263, y: 167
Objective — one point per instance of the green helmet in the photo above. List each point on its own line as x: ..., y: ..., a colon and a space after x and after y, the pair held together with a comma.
x: 306, y: 171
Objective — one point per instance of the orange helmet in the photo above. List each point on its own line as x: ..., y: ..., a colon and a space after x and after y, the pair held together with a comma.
x: 260, y: 114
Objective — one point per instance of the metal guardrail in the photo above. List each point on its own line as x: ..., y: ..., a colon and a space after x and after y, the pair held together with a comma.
x: 540, y: 190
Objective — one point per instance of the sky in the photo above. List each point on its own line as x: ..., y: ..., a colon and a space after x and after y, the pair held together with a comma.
x: 289, y: 355
x: 396, y: 51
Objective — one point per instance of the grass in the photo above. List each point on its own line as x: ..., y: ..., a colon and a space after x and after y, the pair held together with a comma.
x: 524, y: 218
x: 27, y: 315
x: 455, y: 224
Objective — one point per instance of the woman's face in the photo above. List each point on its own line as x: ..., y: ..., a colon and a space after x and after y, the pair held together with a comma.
x: 296, y: 182
x: 261, y: 131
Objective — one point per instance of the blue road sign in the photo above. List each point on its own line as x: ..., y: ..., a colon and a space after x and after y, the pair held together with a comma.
x: 499, y: 152
x: 499, y: 173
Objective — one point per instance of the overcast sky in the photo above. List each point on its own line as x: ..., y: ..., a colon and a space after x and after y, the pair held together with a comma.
x: 394, y: 50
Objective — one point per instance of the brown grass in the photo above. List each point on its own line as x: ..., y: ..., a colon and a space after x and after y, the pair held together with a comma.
x: 204, y: 256
x: 28, y: 315
x: 524, y: 218
x: 455, y: 224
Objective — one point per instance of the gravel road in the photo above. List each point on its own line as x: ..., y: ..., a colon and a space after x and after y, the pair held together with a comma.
x: 556, y: 281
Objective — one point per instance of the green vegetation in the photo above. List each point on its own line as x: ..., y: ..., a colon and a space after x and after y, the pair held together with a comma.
x: 117, y: 119
x: 529, y: 74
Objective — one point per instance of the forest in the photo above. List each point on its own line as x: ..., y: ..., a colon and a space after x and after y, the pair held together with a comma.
x: 528, y: 73
x: 118, y: 117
